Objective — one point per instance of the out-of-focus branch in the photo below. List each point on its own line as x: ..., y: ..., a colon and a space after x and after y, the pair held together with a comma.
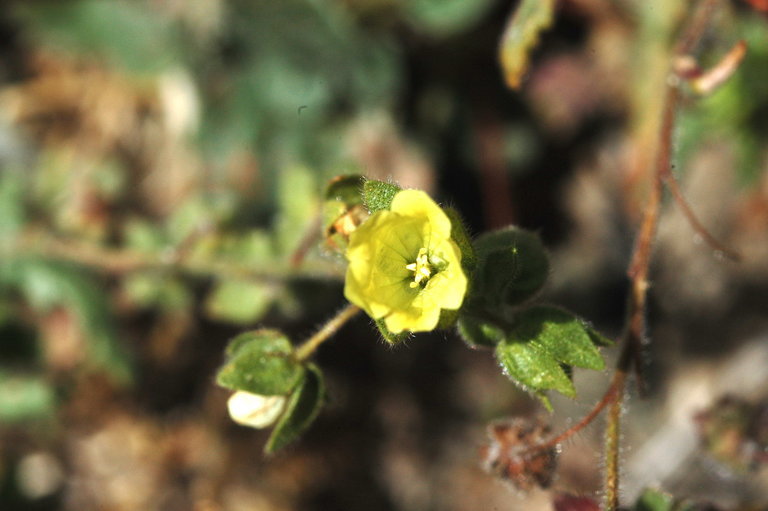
x: 37, y: 243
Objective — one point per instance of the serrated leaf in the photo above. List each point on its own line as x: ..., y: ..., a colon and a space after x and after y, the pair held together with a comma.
x: 239, y: 301
x: 378, y: 195
x: 302, y: 408
x: 531, y: 366
x: 261, y: 362
x: 559, y: 333
x: 542, y: 345
x: 477, y: 333
x: 521, y: 35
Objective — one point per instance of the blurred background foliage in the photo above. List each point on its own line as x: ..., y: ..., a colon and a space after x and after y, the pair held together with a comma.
x: 161, y: 171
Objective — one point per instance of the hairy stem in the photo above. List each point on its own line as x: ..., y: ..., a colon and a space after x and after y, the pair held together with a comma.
x: 331, y: 327
x: 639, y: 266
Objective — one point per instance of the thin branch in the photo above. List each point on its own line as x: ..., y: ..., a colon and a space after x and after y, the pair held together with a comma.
x: 120, y: 261
x: 306, y: 350
x: 640, y: 264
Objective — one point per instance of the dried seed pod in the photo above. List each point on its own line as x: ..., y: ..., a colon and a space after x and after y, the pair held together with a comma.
x: 517, y: 452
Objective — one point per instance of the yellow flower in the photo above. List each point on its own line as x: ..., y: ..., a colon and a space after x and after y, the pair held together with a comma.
x: 403, y: 265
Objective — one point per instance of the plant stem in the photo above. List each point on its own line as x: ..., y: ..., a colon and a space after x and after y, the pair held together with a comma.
x: 331, y: 327
x: 638, y: 270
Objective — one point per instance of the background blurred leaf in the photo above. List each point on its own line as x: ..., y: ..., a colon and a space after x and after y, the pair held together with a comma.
x: 298, y: 200
x: 445, y: 17
x: 46, y: 285
x: 11, y: 205
x: 24, y: 397
x: 130, y: 35
x: 239, y: 302
x: 521, y: 35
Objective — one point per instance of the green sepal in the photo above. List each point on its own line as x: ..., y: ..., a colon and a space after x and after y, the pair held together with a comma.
x: 390, y: 337
x: 448, y: 318
x: 543, y: 344
x: 302, y: 408
x: 512, y: 266
x: 477, y: 333
x: 261, y: 362
x: 378, y: 195
x: 460, y: 236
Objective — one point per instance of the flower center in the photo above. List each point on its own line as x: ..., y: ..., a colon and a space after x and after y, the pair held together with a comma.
x: 422, y: 269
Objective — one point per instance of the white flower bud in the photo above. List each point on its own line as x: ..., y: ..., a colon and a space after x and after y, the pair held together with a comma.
x: 255, y: 410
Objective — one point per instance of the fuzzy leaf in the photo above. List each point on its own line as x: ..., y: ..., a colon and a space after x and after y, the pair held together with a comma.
x: 521, y: 35
x: 530, y: 365
x: 302, y: 408
x: 512, y: 267
x: 477, y: 333
x: 559, y: 333
x: 542, y: 345
x: 260, y: 362
x: 378, y: 195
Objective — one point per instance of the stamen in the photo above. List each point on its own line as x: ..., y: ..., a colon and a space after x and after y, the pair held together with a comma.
x: 422, y: 269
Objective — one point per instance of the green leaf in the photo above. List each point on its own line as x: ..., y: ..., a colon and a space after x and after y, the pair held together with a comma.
x: 477, y: 333
x: 378, y: 195
x: 654, y: 500
x: 261, y: 362
x: 239, y: 301
x: 541, y: 346
x: 302, y: 408
x: 521, y: 35
x: 532, y: 367
x: 512, y: 266
x: 24, y: 397
x: 564, y: 336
